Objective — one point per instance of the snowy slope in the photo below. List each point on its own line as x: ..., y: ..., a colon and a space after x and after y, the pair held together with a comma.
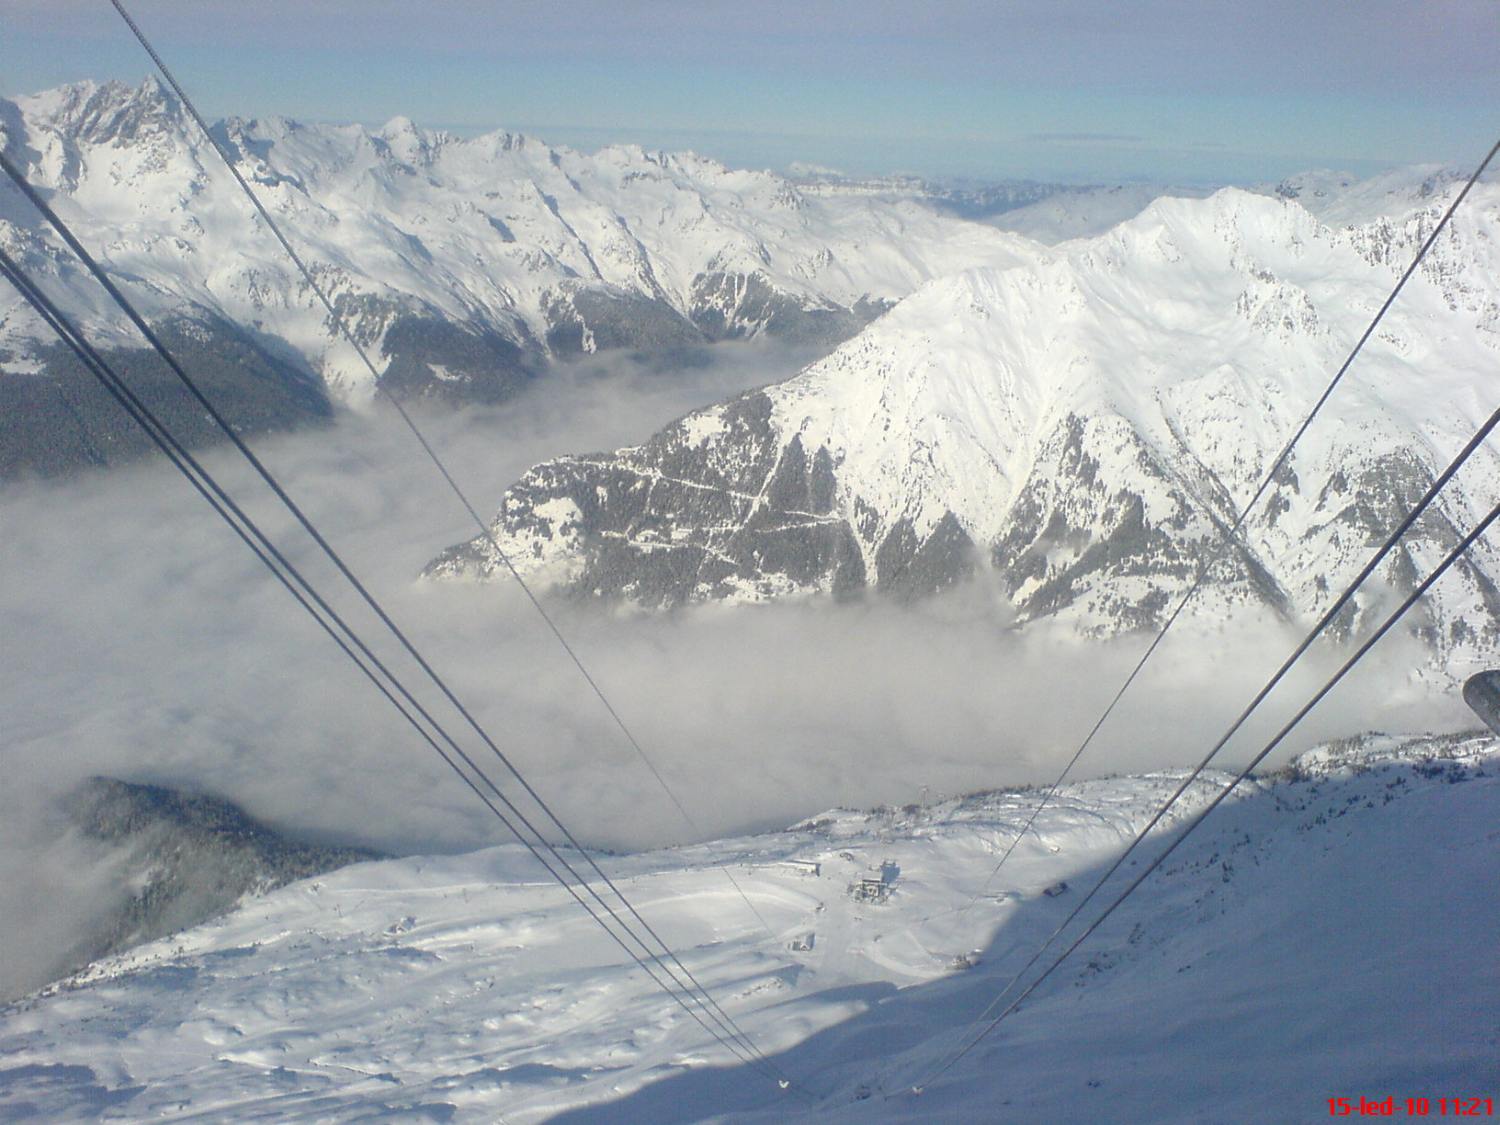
x: 1084, y: 212
x: 1326, y: 934
x: 1083, y: 427
x: 463, y: 262
x: 165, y: 860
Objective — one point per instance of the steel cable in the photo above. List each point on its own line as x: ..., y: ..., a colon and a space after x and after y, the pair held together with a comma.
x: 288, y: 575
x: 427, y: 447
x: 271, y: 482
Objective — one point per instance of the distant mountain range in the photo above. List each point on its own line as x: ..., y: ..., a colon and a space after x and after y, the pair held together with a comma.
x: 1085, y: 426
x: 1079, y: 413
x: 464, y: 266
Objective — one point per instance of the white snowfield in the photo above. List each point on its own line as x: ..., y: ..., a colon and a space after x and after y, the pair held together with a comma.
x: 1329, y: 934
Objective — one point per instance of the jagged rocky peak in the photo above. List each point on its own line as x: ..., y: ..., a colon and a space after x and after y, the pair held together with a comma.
x: 1085, y: 429
x: 108, y: 113
x: 410, y: 145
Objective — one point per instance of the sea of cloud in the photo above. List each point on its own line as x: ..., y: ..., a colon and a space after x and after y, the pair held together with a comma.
x: 142, y: 641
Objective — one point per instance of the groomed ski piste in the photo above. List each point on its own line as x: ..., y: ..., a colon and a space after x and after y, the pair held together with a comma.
x: 1329, y: 932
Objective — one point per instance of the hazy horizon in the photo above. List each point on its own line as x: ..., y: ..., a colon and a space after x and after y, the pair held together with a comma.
x: 1087, y: 92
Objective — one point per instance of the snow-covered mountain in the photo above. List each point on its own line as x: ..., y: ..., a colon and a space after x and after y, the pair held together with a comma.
x: 1083, y: 212
x: 1053, y: 213
x: 1084, y: 427
x: 464, y: 264
x: 1328, y: 933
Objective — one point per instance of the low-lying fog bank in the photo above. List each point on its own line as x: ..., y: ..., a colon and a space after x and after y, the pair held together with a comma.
x: 145, y: 643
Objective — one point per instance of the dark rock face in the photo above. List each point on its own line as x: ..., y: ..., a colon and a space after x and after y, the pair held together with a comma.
x: 435, y: 359
x: 721, y: 505
x: 908, y: 568
x: 60, y: 419
x: 600, y: 320
x: 192, y: 858
x: 1364, y: 506
x: 1106, y: 528
x: 729, y: 306
x: 429, y: 356
x: 116, y: 113
x: 687, y: 518
x: 722, y: 306
x: 1071, y: 533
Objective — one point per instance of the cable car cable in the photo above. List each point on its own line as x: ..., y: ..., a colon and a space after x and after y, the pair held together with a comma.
x: 427, y: 447
x: 266, y: 551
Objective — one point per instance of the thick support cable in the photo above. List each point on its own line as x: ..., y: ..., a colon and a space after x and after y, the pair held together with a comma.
x: 287, y: 574
x: 427, y: 447
x: 271, y: 482
x: 1452, y: 557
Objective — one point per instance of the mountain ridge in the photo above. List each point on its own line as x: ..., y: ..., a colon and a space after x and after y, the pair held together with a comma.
x: 1085, y: 428
x: 467, y: 263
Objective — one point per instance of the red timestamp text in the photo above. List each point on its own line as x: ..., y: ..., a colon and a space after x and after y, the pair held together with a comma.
x: 1411, y: 1107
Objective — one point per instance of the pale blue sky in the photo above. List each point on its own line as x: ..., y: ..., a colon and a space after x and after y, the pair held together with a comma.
x: 1157, y: 89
